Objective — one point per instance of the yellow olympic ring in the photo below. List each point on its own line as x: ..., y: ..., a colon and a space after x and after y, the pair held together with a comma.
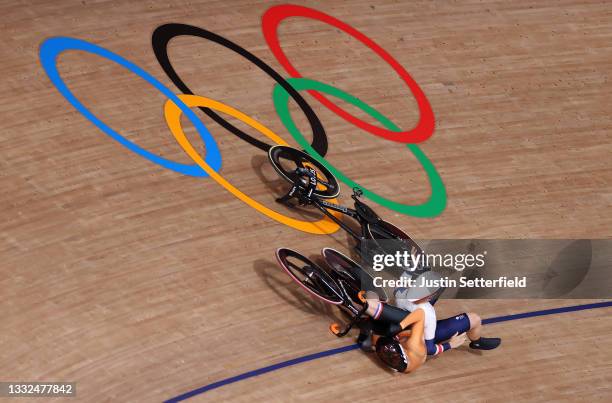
x: 172, y: 113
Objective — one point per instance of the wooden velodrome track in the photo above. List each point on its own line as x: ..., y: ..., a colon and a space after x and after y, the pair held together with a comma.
x: 141, y: 284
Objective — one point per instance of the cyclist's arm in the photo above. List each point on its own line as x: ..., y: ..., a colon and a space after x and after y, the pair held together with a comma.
x: 415, y: 316
x: 434, y: 349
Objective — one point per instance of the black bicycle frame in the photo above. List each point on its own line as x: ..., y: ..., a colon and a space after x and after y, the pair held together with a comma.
x: 347, y: 303
x: 325, y: 205
x: 305, y: 195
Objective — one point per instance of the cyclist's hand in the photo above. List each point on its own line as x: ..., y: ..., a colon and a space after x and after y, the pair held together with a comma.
x: 457, y: 340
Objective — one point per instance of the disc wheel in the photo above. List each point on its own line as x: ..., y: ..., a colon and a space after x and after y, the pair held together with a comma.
x: 286, y: 159
x: 385, y: 231
x: 309, y: 276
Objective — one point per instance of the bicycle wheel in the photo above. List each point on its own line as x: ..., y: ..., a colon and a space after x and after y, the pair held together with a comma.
x: 310, y: 276
x: 351, y: 275
x: 285, y: 160
x: 385, y: 231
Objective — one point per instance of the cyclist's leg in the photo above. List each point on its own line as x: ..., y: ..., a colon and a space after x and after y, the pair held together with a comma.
x: 469, y: 323
x: 446, y: 328
x: 478, y: 342
x: 475, y: 326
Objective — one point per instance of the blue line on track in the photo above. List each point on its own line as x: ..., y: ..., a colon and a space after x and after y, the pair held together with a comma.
x: 547, y: 312
x: 352, y: 347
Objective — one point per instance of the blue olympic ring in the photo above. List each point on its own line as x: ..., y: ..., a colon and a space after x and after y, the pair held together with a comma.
x: 52, y: 47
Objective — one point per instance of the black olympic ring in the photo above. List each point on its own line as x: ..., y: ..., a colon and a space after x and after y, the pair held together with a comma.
x: 162, y: 36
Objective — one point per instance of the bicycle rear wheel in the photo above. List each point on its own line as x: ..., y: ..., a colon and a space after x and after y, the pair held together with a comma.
x: 384, y: 230
x: 399, y: 241
x: 286, y: 159
x: 309, y: 276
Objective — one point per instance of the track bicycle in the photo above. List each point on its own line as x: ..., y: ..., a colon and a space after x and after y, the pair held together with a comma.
x: 342, y: 283
x: 312, y: 184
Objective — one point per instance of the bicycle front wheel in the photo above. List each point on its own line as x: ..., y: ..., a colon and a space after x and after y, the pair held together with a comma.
x: 286, y: 159
x: 309, y: 276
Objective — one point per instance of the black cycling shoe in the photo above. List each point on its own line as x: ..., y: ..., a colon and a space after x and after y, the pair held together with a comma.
x: 365, y: 340
x: 485, y: 343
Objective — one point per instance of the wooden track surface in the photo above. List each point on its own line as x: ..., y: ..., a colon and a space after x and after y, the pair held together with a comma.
x: 141, y: 284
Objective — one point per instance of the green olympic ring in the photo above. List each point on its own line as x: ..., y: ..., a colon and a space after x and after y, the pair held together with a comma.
x: 437, y: 200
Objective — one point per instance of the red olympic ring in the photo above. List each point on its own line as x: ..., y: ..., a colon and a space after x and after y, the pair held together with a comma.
x: 424, y: 128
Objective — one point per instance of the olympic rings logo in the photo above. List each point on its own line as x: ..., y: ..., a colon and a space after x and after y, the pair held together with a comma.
x: 284, y: 88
